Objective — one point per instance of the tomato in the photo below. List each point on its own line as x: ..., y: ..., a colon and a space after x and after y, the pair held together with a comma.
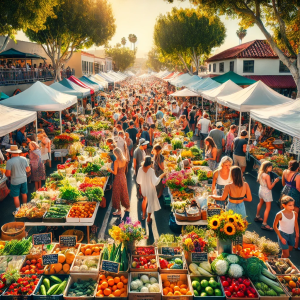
x: 240, y: 294
x: 251, y: 295
x: 236, y: 288
x: 231, y: 289
x: 246, y: 282
x: 242, y: 287
x: 225, y: 283
x: 228, y: 294
x: 240, y: 280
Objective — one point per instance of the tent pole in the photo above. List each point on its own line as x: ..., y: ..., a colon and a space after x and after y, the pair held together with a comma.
x: 202, y: 104
x: 249, y: 135
x: 60, y: 121
x: 216, y: 112
x: 240, y: 123
x: 36, y: 129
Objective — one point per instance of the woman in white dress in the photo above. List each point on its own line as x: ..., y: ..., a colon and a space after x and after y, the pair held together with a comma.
x: 147, y: 179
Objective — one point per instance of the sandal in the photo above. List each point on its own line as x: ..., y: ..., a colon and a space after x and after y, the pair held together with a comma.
x: 258, y: 219
x: 267, y: 227
x: 117, y: 213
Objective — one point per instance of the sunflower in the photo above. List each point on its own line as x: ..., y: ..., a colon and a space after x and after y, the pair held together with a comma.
x: 214, y: 223
x: 231, y: 219
x: 229, y: 229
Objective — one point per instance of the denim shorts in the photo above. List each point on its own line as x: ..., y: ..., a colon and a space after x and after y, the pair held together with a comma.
x: 237, y: 208
x: 290, y: 240
x: 16, y: 189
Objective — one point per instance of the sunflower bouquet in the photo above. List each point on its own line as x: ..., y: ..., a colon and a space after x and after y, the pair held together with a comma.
x: 228, y: 225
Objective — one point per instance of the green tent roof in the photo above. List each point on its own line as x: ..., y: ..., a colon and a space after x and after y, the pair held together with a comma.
x: 3, y: 96
x: 237, y: 79
x: 13, y: 53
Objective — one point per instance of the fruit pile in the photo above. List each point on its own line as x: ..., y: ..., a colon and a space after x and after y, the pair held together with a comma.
x: 206, y: 287
x: 112, y: 286
x: 144, y: 262
x: 240, y: 287
x: 144, y: 250
x: 82, y: 210
x: 23, y: 286
x: 178, y: 288
x: 32, y: 266
x: 88, y: 250
x: 292, y: 284
x: 171, y: 263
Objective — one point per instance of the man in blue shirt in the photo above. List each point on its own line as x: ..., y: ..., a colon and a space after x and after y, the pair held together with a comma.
x: 145, y: 134
x: 159, y: 114
x: 20, y: 137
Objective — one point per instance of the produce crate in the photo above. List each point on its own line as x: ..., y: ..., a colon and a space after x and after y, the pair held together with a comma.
x: 93, y: 245
x: 208, y: 297
x: 147, y: 248
x: 143, y: 296
x: 57, y: 246
x: 284, y: 296
x: 288, y: 290
x: 74, y: 278
x: 172, y: 271
x: 107, y: 297
x: 83, y: 258
x: 31, y: 257
x: 120, y: 272
x: 174, y: 278
x: 288, y: 261
x: 72, y: 220
x: 37, y: 296
x: 148, y: 257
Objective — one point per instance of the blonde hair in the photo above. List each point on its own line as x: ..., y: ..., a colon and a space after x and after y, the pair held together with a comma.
x: 224, y: 160
x: 119, y: 154
x: 34, y: 145
x: 263, y: 169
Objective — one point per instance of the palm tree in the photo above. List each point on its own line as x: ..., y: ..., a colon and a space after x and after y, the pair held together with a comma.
x: 132, y: 39
x: 123, y: 41
x: 241, y: 33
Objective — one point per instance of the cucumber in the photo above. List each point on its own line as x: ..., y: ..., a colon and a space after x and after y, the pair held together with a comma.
x: 55, y: 279
x: 53, y: 289
x: 43, y: 290
x: 46, y: 283
x: 61, y: 288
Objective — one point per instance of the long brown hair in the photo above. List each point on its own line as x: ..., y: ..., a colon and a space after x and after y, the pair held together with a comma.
x: 211, y: 142
x: 237, y: 176
x: 158, y: 148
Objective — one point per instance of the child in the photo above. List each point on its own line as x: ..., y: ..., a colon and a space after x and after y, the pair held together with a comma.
x: 265, y: 193
x: 288, y: 226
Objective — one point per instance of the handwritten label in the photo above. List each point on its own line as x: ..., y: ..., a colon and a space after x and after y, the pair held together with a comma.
x: 68, y: 240
x: 110, y: 266
x: 167, y: 251
x: 60, y: 201
x: 238, y: 240
x: 50, y: 259
x: 42, y: 238
x: 213, y: 211
x: 199, y: 257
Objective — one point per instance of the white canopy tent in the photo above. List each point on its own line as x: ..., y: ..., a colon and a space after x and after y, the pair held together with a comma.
x: 179, y: 78
x: 182, y: 79
x: 13, y: 119
x: 40, y: 97
x: 185, y: 93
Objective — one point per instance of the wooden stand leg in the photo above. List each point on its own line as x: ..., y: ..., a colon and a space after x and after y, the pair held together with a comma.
x: 88, y: 234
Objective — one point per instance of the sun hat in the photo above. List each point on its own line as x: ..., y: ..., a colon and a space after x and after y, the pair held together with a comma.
x: 143, y: 142
x: 14, y: 149
x: 219, y: 124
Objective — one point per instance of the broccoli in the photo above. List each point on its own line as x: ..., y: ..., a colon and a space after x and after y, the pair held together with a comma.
x: 270, y: 292
x: 258, y: 286
x: 261, y: 293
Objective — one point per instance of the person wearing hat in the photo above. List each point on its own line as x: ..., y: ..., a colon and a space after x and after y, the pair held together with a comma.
x: 239, y: 147
x: 219, y: 138
x: 17, y: 168
x: 148, y: 181
x: 139, y: 154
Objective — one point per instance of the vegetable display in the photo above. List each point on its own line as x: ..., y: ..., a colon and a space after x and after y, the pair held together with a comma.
x: 175, y: 263
x: 23, y: 286
x: 86, y: 264
x: 291, y: 283
x: 116, y: 254
x: 90, y: 249
x: 33, y: 266
x: 82, y: 288
x: 17, y: 247
x: 204, y: 269
x: 176, y: 288
x: 144, y: 284
x: 58, y: 211
x: 144, y: 262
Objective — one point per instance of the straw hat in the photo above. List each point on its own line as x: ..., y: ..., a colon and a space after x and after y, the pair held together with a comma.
x: 14, y: 149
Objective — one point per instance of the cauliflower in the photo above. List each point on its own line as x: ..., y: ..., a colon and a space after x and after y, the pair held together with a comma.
x: 219, y: 266
x: 144, y: 290
x: 235, y: 271
x: 147, y: 285
x: 134, y: 286
x: 139, y: 283
x: 153, y: 280
x: 232, y: 259
x: 145, y: 279
x: 154, y: 288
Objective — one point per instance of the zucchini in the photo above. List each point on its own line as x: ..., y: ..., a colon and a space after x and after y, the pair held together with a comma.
x: 46, y: 283
x: 60, y: 288
x: 53, y: 289
x: 118, y: 253
x: 43, y: 290
x: 105, y: 255
x: 55, y: 279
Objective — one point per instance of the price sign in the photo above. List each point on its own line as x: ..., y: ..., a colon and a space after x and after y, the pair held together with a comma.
x: 199, y: 257
x: 60, y: 201
x: 110, y: 266
x: 167, y: 251
x: 238, y: 240
x: 68, y: 240
x: 213, y: 211
x: 50, y: 259
x: 57, y: 154
x: 42, y: 238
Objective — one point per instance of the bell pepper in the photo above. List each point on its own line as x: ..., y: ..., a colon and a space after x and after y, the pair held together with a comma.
x: 163, y: 263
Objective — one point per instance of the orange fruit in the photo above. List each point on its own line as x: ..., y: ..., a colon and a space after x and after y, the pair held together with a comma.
x: 117, y: 293
x: 111, y: 282
x: 125, y: 280
x: 179, y: 283
x: 170, y: 294
x: 166, y: 283
x: 88, y: 252
x: 176, y: 288
x: 104, y: 285
x: 122, y: 290
x: 117, y: 279
x: 183, y: 291
x: 122, y: 278
x: 183, y: 286
x: 111, y: 295
x: 120, y: 285
x: 109, y: 277
x: 165, y: 291
x: 172, y: 285
x: 123, y: 295
x: 171, y: 290
x: 177, y: 293
x: 107, y: 292
x: 102, y: 276
x: 189, y: 293
x: 114, y: 288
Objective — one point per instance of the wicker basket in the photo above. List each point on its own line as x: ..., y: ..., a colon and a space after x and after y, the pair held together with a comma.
x: 78, y: 233
x: 17, y: 234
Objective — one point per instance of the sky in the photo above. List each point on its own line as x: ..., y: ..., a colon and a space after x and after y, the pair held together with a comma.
x: 139, y: 16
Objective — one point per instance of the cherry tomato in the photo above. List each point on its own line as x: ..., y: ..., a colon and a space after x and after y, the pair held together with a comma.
x: 228, y: 294
x: 225, y: 283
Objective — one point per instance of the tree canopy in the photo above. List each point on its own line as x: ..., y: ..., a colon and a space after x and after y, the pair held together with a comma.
x: 21, y: 15
x: 78, y: 24
x: 282, y: 17
x: 123, y: 57
x: 188, y: 34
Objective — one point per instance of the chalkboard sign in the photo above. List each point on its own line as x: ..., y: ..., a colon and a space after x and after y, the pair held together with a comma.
x: 110, y: 266
x: 60, y: 201
x: 213, y: 211
x: 68, y: 240
x: 42, y: 238
x: 167, y: 251
x: 199, y: 257
x: 50, y: 259
x: 238, y: 240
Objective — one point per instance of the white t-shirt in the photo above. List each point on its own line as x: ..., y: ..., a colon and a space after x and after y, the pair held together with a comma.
x: 116, y: 116
x: 205, y: 123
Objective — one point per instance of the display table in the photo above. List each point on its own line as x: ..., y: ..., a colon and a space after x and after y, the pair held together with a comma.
x: 69, y: 224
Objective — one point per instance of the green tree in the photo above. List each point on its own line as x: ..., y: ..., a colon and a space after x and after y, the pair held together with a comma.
x: 279, y: 21
x: 79, y: 24
x: 123, y: 57
x: 123, y: 41
x: 241, y: 33
x: 23, y: 14
x: 188, y: 34
x: 132, y: 39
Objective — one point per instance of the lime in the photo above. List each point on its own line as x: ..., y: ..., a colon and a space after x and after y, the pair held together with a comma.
x: 196, y: 285
x: 196, y: 279
x: 213, y: 284
x: 209, y: 291
x: 204, y: 283
x: 218, y: 292
x: 203, y: 295
x: 196, y: 293
x: 211, y: 279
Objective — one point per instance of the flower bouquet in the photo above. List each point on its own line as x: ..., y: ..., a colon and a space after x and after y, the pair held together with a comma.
x: 63, y: 140
x: 192, y: 242
x: 179, y: 179
x: 75, y: 149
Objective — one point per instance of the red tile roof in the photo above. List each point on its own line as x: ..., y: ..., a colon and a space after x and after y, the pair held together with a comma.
x: 253, y: 49
x: 275, y: 81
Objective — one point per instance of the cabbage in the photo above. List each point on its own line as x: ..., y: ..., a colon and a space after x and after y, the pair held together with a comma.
x: 139, y: 283
x: 232, y: 259
x: 133, y: 285
x: 235, y: 271
x: 144, y: 290
x: 145, y: 279
x: 153, y: 280
x: 147, y: 285
x: 219, y: 267
x: 154, y: 288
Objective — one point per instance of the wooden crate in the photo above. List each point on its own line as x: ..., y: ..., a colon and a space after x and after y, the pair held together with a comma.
x: 143, y: 269
x: 173, y: 271
x: 93, y: 245
x: 288, y: 261
x: 85, y: 258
